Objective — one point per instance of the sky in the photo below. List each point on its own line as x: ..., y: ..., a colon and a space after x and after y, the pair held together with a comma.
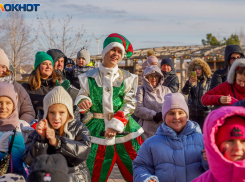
x: 146, y: 24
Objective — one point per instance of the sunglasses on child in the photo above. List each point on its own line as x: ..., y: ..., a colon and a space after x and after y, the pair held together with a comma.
x: 234, y: 58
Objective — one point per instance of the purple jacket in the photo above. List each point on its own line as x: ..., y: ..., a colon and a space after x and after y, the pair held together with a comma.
x: 149, y: 101
x: 220, y: 169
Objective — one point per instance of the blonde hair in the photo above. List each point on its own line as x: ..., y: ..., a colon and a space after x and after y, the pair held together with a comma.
x: 35, y: 78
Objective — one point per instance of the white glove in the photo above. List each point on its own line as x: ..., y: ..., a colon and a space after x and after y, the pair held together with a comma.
x: 4, y: 141
x: 26, y: 131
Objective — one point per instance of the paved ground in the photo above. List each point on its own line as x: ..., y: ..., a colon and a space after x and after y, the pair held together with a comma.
x: 115, y: 175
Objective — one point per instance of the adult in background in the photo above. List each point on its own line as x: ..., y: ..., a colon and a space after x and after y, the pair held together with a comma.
x: 150, y: 97
x: 171, y: 80
x: 232, y: 53
x: 42, y: 80
x: 25, y: 108
x: 60, y: 60
x: 195, y: 87
x: 232, y: 90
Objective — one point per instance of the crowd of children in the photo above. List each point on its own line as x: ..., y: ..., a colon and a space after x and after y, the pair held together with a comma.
x: 166, y: 143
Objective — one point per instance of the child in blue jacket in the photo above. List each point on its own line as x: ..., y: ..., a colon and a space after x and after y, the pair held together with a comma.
x: 176, y: 153
x: 9, y: 121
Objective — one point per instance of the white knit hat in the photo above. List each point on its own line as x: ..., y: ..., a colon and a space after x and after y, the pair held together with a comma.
x: 4, y: 60
x: 58, y: 96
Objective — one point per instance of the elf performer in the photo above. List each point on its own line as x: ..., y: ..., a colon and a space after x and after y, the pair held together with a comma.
x: 109, y: 93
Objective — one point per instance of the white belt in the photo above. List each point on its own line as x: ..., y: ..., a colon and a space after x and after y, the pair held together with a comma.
x: 108, y: 116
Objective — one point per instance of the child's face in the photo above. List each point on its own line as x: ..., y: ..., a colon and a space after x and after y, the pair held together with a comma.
x: 176, y: 119
x: 233, y: 150
x: 81, y: 61
x: 154, y: 63
x: 69, y: 65
x: 6, y: 107
x: 57, y: 115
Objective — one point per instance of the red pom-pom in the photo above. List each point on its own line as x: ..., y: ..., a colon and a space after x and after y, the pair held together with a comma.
x: 120, y: 116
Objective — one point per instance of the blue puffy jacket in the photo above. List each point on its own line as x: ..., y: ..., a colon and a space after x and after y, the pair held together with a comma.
x: 169, y: 157
x: 17, y: 152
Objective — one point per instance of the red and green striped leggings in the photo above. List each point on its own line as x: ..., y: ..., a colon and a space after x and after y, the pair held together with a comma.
x: 102, y: 159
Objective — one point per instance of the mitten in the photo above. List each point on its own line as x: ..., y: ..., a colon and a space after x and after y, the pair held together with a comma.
x: 4, y: 141
x: 158, y: 117
x: 65, y: 84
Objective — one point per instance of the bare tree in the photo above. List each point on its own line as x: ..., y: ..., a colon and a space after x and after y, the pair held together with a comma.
x: 17, y: 40
x: 59, y: 34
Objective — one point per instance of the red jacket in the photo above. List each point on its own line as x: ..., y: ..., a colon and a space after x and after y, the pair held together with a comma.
x: 224, y: 89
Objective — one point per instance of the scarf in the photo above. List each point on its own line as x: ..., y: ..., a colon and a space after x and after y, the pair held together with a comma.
x: 12, y: 121
x: 7, y: 79
x: 239, y: 88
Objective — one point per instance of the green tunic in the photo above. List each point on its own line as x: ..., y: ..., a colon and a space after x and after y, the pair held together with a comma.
x: 96, y: 93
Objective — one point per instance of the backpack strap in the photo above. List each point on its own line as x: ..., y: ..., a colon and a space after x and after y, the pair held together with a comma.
x: 11, y: 142
x: 233, y: 91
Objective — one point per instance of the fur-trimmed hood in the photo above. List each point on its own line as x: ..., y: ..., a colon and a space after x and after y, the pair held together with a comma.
x: 222, y: 169
x: 232, y: 71
x: 205, y: 67
x: 198, y: 61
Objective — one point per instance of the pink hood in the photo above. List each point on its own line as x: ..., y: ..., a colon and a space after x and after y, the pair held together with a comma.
x: 220, y: 168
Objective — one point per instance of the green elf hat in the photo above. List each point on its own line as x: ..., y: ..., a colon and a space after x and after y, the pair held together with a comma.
x: 117, y: 40
x: 40, y: 57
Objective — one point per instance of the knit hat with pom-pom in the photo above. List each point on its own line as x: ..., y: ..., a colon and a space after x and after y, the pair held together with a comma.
x: 150, y: 53
x: 117, y: 40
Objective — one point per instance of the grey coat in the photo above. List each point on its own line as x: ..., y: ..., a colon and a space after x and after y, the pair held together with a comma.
x: 149, y: 102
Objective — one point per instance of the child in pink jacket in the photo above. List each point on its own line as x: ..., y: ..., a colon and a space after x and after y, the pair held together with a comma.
x: 224, y: 140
